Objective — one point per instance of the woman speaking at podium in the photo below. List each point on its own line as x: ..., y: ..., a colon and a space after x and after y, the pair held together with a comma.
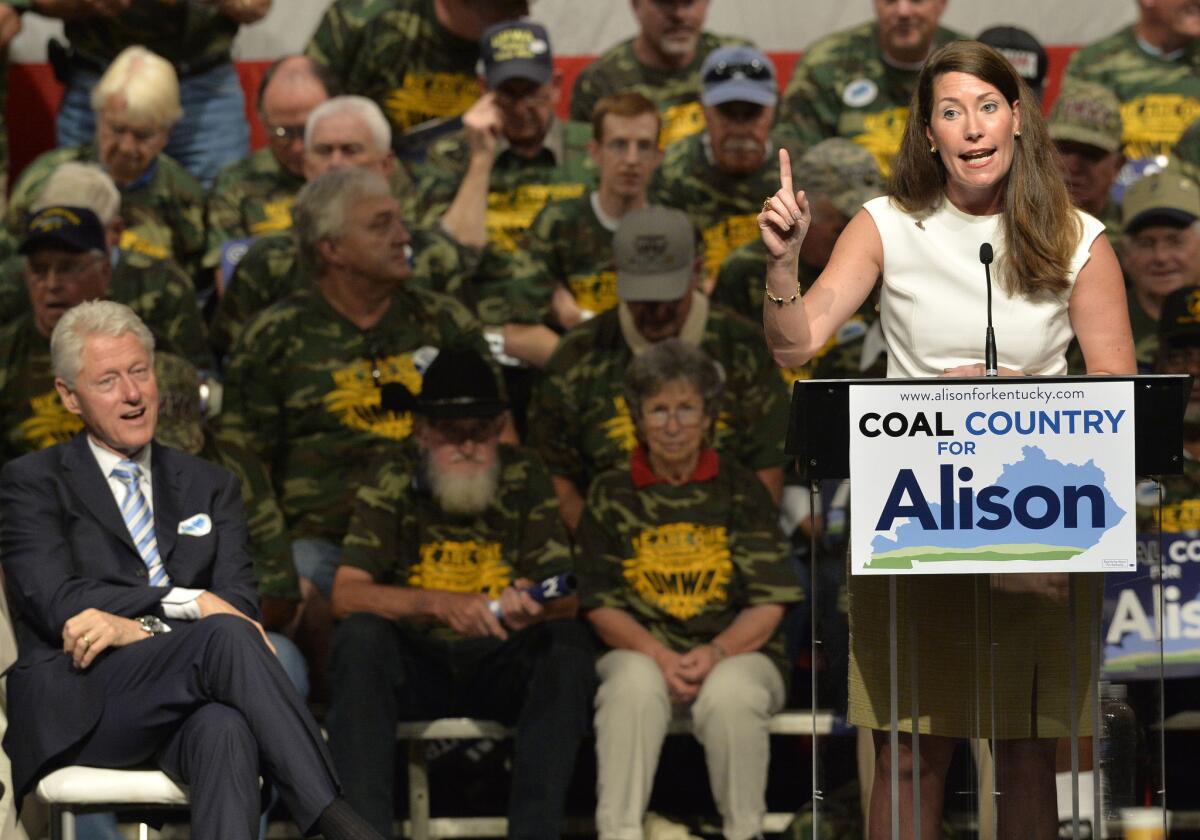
x: 976, y: 166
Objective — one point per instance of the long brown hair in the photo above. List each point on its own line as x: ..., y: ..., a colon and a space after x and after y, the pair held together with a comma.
x: 1041, y: 231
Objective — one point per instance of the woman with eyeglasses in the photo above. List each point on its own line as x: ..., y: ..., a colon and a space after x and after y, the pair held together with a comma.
x: 684, y: 577
x: 976, y: 165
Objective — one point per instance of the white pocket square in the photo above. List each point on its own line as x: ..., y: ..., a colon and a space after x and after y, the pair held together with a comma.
x: 196, y: 526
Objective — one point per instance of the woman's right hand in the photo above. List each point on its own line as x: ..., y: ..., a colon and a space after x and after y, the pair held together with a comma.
x: 785, y: 217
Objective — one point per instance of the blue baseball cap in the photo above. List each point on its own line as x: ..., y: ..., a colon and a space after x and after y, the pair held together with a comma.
x: 738, y: 74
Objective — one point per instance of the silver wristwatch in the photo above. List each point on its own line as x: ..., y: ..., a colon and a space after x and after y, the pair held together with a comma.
x: 153, y: 625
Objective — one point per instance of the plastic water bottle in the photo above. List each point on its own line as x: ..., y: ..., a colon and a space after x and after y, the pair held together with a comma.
x: 1118, y: 752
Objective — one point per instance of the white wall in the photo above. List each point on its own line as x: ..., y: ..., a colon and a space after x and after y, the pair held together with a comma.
x: 580, y: 27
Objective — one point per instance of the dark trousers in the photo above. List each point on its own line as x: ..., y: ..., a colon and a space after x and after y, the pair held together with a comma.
x: 211, y: 706
x: 541, y: 679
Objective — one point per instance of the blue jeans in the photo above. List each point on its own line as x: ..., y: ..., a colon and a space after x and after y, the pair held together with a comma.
x: 212, y: 133
x: 103, y: 826
x: 316, y: 560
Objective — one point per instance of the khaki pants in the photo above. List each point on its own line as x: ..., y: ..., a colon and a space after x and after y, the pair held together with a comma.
x: 730, y: 718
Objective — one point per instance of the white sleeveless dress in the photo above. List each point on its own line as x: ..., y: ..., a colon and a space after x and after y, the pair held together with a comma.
x: 934, y: 314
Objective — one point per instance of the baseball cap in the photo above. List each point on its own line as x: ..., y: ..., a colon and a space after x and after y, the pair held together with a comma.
x: 70, y: 228
x: 1088, y: 113
x: 1166, y: 197
x: 516, y: 50
x: 654, y: 249
x: 1179, y: 322
x: 1023, y: 51
x: 842, y: 171
x: 738, y: 74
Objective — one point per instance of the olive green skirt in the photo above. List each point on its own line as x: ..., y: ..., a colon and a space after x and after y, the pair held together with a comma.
x: 986, y: 663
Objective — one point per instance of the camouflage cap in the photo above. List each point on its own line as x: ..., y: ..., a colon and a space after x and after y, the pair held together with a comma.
x: 1088, y: 113
x: 654, y: 249
x: 842, y: 171
x: 738, y: 74
x: 180, y: 421
x: 1179, y: 323
x: 516, y: 50
x: 74, y: 229
x: 1164, y: 197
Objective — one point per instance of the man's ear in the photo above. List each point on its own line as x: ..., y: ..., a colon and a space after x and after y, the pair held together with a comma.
x: 69, y: 400
x: 328, y: 250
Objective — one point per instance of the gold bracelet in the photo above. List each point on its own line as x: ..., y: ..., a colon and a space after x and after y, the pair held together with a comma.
x: 778, y: 301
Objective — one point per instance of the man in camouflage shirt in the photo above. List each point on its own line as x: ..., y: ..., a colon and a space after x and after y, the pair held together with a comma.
x: 441, y: 546
x: 345, y: 131
x: 1160, y: 251
x: 157, y: 290
x: 857, y: 83
x: 196, y: 38
x: 720, y: 176
x: 838, y: 176
x: 64, y: 262
x: 662, y: 62
x: 1085, y: 126
x: 579, y: 421
x: 162, y: 206
x: 1153, y: 67
x: 303, y: 385
x: 416, y: 59
x: 570, y: 241
x: 254, y: 196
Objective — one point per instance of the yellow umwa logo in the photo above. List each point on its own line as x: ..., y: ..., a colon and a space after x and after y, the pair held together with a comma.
x: 50, y: 422
x: 881, y: 135
x: 461, y: 566
x: 354, y: 400
x: 426, y: 95
x: 277, y: 216
x: 680, y: 568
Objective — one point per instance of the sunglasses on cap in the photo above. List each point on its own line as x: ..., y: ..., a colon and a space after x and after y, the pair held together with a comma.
x: 755, y: 70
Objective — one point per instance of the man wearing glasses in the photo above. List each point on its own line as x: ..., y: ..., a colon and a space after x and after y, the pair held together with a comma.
x: 431, y: 587
x: 254, y: 196
x: 719, y: 177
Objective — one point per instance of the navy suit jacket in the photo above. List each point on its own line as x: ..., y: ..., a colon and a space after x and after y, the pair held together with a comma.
x: 65, y: 547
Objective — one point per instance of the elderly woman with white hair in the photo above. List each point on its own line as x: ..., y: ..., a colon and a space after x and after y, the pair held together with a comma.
x: 136, y: 104
x: 683, y: 574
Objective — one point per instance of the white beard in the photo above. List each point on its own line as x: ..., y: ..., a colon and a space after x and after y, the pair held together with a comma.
x: 463, y: 494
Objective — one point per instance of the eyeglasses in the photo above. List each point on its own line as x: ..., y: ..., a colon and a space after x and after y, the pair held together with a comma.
x: 686, y: 416
x: 65, y: 270
x: 285, y: 132
x: 755, y: 69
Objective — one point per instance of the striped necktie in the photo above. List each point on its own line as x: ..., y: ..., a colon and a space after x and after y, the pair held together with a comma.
x: 139, y: 519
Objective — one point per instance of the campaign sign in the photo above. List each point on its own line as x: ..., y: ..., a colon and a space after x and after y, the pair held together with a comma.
x: 969, y: 478
x: 1139, y: 605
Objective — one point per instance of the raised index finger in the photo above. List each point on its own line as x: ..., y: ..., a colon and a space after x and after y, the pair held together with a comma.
x: 785, y: 171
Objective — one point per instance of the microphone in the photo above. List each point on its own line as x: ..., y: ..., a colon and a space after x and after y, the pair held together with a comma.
x: 551, y: 588
x: 989, y: 341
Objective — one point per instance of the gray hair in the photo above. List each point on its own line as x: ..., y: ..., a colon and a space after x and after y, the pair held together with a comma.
x: 75, y: 184
x: 321, y: 206
x: 146, y: 82
x: 93, y: 317
x: 359, y: 106
x: 669, y: 361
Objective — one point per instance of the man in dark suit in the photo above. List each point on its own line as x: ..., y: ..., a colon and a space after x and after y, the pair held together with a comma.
x: 135, y: 606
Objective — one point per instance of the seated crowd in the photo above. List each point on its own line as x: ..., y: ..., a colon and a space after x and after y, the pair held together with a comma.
x: 452, y: 346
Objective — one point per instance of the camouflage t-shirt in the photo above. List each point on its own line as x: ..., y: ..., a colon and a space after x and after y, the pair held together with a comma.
x: 250, y: 198
x: 579, y: 421
x: 396, y: 53
x: 569, y: 245
x: 504, y: 288
x: 1180, y: 512
x: 675, y: 92
x: 1186, y: 152
x: 32, y: 416
x: 186, y: 33
x: 723, y: 207
x: 270, y: 271
x: 302, y: 391
x: 163, y: 214
x: 684, y: 560
x: 1159, y: 97
x: 157, y: 290
x: 401, y: 537
x: 843, y: 87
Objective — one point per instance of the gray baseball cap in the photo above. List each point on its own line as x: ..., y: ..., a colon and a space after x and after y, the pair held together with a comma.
x: 738, y: 74
x: 654, y: 249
